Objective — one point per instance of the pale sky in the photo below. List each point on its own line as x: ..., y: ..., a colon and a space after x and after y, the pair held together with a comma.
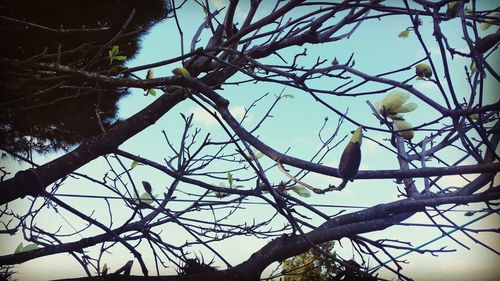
x: 295, y: 125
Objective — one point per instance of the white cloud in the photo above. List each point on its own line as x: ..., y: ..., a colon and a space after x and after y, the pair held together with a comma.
x: 371, y: 147
x: 238, y: 112
x: 217, y: 3
x: 202, y: 117
x: 456, y: 181
x: 426, y: 84
x: 206, y: 119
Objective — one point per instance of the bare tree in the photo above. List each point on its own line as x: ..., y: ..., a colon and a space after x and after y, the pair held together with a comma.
x: 460, y: 139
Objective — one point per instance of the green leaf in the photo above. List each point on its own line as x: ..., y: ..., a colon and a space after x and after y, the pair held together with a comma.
x: 288, y: 96
x: 110, y: 55
x: 19, y: 248
x: 134, y: 164
x: 301, y: 191
x: 181, y: 71
x: 473, y: 68
x: 230, y: 179
x: 29, y: 247
x: 115, y: 50
x: 404, y: 34
x: 120, y: 57
x: 474, y: 116
x: 152, y: 92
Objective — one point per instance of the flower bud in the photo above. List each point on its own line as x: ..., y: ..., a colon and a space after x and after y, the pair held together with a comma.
x: 394, y: 103
x: 401, y: 124
x: 423, y: 70
x: 351, y: 157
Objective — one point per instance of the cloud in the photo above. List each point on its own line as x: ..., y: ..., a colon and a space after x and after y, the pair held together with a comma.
x: 202, y: 117
x: 217, y: 3
x: 426, y: 84
x: 206, y: 119
x: 457, y: 180
x: 238, y: 112
x: 371, y: 147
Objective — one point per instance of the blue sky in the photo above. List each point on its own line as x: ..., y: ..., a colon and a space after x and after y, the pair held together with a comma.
x: 294, y: 125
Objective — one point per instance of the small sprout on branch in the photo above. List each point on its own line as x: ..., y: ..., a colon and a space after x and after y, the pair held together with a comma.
x: 423, y: 70
x: 113, y: 54
x: 300, y: 190
x: 404, y: 34
x: 473, y: 68
x: 152, y: 92
x: 134, y: 164
x: 150, y: 75
x: 181, y: 71
x: 474, y: 116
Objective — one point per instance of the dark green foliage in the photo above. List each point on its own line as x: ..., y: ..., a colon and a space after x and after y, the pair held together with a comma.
x: 43, y: 112
x: 314, y: 266
x: 311, y: 266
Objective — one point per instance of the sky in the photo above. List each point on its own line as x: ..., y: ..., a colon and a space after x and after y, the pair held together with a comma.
x: 294, y: 126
